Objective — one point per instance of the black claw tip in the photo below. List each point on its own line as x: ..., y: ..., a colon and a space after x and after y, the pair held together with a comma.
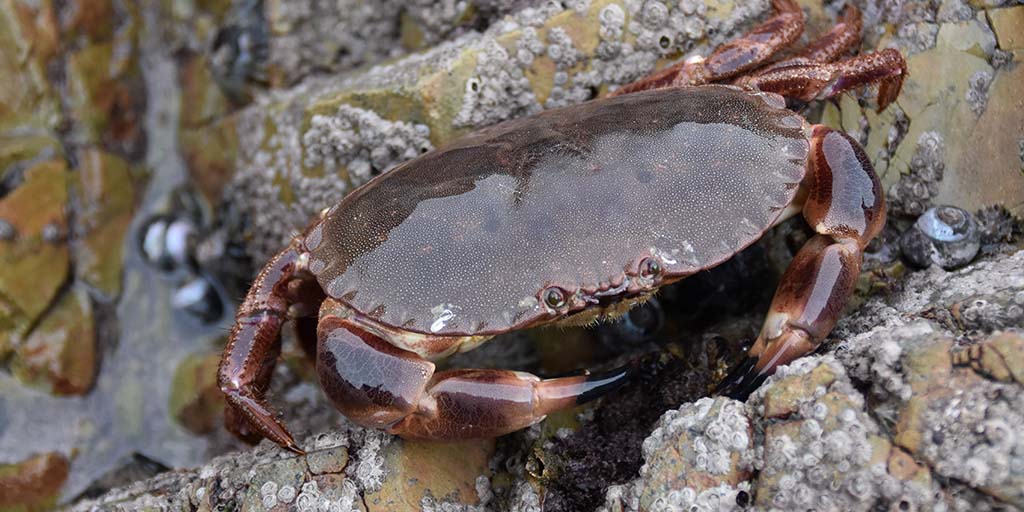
x: 598, y: 384
x: 743, y: 380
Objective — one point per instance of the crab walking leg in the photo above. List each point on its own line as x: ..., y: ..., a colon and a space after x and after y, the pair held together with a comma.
x: 252, y: 351
x: 378, y: 385
x: 811, y: 81
x: 732, y: 58
x: 843, y: 36
x: 845, y: 205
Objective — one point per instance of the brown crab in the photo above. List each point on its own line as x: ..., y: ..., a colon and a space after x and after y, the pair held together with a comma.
x: 569, y: 216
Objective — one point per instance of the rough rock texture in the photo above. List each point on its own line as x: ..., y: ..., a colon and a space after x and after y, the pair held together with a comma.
x: 955, y: 111
x: 350, y: 469
x: 260, y: 108
x: 314, y: 36
x: 69, y: 131
x: 905, y: 410
x: 34, y: 483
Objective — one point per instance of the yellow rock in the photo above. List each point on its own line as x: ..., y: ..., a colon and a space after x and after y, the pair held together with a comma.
x: 59, y: 355
x: 28, y: 42
x: 33, y: 484
x: 971, y: 36
x: 196, y: 402
x: 784, y: 396
x: 209, y: 151
x: 104, y: 85
x: 35, y: 264
x: 105, y: 195
x: 447, y: 470
x: 984, y: 166
x: 1008, y: 24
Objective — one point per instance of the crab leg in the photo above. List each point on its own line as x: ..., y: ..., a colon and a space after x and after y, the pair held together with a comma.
x: 811, y: 81
x: 829, y: 47
x: 255, y: 343
x: 845, y: 205
x: 732, y: 58
x: 378, y: 385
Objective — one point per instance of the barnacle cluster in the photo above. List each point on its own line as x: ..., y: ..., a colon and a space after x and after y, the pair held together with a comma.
x: 352, y: 143
x: 827, y: 452
x: 913, y: 193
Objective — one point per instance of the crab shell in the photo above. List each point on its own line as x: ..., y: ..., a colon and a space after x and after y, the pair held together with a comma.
x: 573, y: 214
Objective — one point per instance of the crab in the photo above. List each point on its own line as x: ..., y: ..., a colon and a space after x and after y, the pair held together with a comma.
x: 570, y: 216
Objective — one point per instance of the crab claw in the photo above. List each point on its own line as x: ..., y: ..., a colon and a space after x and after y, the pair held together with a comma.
x: 741, y: 381
x: 755, y: 369
x: 378, y: 385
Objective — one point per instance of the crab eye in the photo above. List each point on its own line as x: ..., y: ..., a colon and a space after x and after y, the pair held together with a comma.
x: 554, y: 297
x: 650, y: 268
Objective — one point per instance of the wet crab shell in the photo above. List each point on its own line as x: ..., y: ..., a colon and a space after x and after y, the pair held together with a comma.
x: 466, y: 240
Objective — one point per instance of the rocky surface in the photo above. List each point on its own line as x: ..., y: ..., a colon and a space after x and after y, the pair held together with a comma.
x: 152, y: 154
x: 903, y: 410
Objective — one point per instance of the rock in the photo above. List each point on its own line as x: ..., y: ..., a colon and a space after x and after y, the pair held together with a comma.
x: 32, y: 484
x: 210, y: 152
x: 104, y: 190
x: 419, y: 471
x: 828, y: 453
x: 196, y: 402
x: 332, y: 460
x: 960, y: 416
x: 60, y: 354
x: 18, y: 153
x: 270, y: 478
x: 106, y: 96
x: 999, y: 358
x: 130, y: 469
x: 817, y: 440
x: 28, y: 46
x: 695, y: 452
x: 354, y: 469
x: 310, y: 36
x: 93, y: 20
x: 35, y: 264
x: 351, y: 468
x: 990, y: 152
x: 1008, y: 24
x: 206, y: 101
x: 953, y: 126
x: 317, y: 128
x: 815, y: 448
x: 973, y: 36
x: 206, y: 131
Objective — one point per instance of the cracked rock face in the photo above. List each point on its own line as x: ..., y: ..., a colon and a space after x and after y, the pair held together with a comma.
x: 914, y: 402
